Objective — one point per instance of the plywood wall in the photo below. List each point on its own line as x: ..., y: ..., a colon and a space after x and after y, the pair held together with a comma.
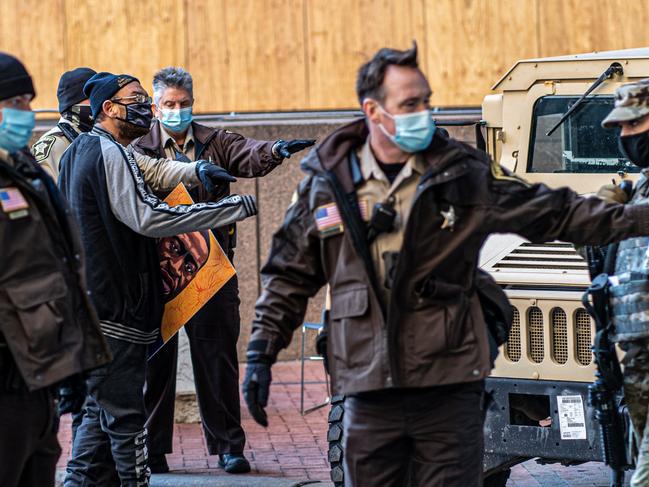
x: 250, y: 55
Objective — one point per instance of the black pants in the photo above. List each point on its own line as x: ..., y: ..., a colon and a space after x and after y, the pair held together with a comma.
x: 435, y: 432
x: 111, y: 437
x: 213, y: 333
x: 29, y: 448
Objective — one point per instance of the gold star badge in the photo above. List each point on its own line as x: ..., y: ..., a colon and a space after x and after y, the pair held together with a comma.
x: 449, y: 219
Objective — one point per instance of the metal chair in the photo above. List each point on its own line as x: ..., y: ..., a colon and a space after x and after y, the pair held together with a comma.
x: 317, y: 327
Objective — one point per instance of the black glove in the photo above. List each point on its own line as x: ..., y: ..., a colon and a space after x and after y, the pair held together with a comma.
x: 212, y: 176
x: 284, y: 149
x: 71, y: 394
x: 256, y: 386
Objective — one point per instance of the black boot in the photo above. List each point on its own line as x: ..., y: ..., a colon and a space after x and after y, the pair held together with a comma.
x: 234, y: 463
x: 158, y: 463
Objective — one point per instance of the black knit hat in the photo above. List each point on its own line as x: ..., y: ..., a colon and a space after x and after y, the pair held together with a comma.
x: 103, y: 86
x: 70, y: 90
x: 14, y: 78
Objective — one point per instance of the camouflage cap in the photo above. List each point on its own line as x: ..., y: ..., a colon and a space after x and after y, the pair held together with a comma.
x: 631, y: 103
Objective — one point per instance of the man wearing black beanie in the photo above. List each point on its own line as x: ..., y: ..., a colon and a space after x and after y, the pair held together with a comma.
x: 49, y: 331
x: 76, y: 117
x: 118, y: 215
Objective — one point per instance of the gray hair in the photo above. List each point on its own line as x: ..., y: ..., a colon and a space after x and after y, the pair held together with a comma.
x: 171, y: 77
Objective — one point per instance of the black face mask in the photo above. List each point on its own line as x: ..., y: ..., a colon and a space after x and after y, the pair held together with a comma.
x: 81, y: 116
x: 635, y: 148
x: 138, y: 114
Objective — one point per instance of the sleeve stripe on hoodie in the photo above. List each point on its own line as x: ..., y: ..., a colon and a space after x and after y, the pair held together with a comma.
x: 144, y: 213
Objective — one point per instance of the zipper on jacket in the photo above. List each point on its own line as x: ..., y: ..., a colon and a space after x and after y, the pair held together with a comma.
x: 393, y: 349
x: 425, y: 184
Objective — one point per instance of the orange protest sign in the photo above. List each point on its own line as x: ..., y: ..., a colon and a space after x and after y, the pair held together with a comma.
x: 193, y: 267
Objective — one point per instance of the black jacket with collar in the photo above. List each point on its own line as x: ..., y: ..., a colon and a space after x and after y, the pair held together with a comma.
x: 119, y: 218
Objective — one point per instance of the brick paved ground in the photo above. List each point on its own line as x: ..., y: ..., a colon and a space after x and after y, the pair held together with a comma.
x: 292, y: 446
x: 295, y: 447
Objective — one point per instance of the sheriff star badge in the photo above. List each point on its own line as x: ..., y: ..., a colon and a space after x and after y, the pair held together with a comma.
x: 449, y: 219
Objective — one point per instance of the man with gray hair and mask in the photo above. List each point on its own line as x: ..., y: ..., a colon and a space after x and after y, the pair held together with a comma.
x: 213, y: 332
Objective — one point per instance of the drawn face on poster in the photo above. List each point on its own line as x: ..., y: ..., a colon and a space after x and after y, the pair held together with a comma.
x: 193, y: 267
x: 181, y: 257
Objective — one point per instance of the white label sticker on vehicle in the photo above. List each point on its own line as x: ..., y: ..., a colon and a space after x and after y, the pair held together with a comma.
x: 572, y: 422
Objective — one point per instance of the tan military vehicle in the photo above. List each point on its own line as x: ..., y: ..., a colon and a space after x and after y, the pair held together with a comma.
x: 540, y: 383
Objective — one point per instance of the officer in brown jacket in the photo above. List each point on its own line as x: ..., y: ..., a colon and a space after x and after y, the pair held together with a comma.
x: 213, y: 332
x: 392, y: 215
x: 49, y: 332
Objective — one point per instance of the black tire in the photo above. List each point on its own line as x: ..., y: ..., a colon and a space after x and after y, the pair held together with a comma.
x: 497, y: 479
x: 335, y: 440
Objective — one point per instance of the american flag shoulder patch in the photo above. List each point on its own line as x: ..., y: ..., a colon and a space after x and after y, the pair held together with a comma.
x: 12, y: 200
x: 328, y: 219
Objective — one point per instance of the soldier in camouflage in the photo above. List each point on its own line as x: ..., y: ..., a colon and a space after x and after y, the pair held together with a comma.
x: 630, y: 285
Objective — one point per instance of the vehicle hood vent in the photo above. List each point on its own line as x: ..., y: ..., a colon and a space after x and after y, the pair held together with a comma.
x: 524, y: 263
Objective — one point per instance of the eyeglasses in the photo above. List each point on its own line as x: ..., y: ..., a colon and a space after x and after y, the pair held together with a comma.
x: 135, y: 98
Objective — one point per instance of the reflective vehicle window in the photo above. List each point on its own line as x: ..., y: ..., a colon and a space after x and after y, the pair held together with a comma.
x: 580, y: 144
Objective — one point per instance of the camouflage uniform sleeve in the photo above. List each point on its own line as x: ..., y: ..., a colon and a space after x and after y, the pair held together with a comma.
x: 292, y: 274
x: 165, y: 174
x: 541, y: 214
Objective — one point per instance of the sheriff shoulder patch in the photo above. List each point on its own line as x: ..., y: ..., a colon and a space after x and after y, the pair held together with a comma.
x: 502, y: 174
x: 43, y: 148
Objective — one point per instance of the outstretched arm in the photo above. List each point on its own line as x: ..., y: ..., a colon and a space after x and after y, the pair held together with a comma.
x: 249, y: 158
x: 134, y: 205
x: 540, y: 214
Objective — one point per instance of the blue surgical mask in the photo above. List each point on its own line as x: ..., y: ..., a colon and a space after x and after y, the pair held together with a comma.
x: 16, y: 128
x: 176, y: 120
x: 413, y: 131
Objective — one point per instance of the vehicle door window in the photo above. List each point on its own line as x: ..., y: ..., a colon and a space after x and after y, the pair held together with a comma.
x: 580, y: 144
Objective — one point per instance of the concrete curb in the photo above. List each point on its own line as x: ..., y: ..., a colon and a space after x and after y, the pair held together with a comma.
x: 207, y: 480
x: 194, y: 480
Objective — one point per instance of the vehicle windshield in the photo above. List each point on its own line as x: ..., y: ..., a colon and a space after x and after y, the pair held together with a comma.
x: 580, y: 145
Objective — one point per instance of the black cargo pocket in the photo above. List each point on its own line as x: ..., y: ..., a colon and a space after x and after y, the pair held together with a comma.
x: 351, y: 334
x: 40, y: 306
x: 426, y: 330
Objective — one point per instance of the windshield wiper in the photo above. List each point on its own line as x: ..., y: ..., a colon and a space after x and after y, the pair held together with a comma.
x: 613, y: 70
